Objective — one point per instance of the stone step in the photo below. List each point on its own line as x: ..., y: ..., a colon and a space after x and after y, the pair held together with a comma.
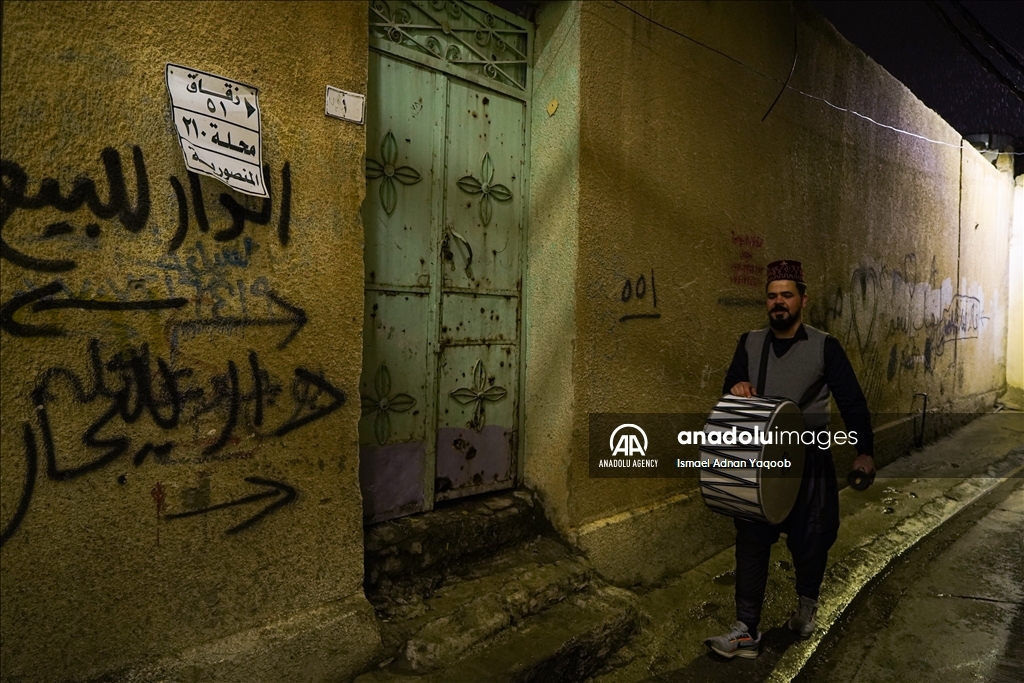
x: 413, y: 555
x: 567, y: 642
x: 496, y: 595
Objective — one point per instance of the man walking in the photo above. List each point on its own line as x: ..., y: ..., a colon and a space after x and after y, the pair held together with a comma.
x: 795, y: 361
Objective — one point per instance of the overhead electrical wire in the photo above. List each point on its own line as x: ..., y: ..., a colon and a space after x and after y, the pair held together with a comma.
x: 993, y: 42
x: 792, y: 68
x: 973, y: 50
x: 696, y: 42
x: 786, y: 85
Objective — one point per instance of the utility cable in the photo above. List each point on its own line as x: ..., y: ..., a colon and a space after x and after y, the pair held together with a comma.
x: 697, y: 42
x: 992, y: 40
x: 792, y: 68
x: 794, y: 89
x: 973, y: 50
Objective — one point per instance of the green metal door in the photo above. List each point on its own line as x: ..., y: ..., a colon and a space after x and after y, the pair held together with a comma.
x: 444, y: 216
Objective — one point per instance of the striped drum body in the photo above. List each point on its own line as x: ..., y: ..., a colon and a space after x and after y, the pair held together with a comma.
x: 748, y: 481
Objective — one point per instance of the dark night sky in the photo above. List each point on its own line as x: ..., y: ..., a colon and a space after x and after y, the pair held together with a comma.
x: 911, y: 43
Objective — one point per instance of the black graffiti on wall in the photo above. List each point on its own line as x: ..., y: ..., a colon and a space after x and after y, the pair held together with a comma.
x: 14, y: 185
x: 45, y: 298
x: 239, y: 213
x: 885, y: 303
x: 637, y: 292
x: 898, y: 319
x: 128, y: 405
x: 17, y: 314
x: 281, y: 493
x: 133, y: 216
x: 132, y: 386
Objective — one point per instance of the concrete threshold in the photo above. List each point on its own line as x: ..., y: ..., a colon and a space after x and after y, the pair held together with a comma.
x: 910, y: 499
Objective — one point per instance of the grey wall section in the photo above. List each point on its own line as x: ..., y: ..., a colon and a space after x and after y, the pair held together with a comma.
x: 178, y: 487
x: 681, y: 183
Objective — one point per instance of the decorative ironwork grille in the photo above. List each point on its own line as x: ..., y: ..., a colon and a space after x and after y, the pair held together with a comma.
x: 463, y: 35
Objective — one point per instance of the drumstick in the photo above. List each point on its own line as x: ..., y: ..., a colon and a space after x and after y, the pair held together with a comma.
x: 859, y: 479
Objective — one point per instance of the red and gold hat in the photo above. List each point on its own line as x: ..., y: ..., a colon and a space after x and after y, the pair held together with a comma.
x: 785, y: 270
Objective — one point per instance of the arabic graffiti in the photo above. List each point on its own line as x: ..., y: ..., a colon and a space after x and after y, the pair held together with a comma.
x: 139, y: 395
x: 13, y: 186
x: 748, y: 269
x: 239, y: 213
x: 25, y: 314
x: 130, y: 387
x: 281, y: 492
x: 637, y: 292
x: 899, y: 320
x: 132, y: 217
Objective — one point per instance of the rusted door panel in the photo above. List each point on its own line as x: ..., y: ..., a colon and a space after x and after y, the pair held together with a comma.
x: 395, y: 389
x: 478, y: 369
x: 395, y: 383
x: 479, y: 318
x: 401, y: 131
x: 477, y: 419
x: 444, y: 218
x: 391, y: 478
x: 400, y: 214
x: 470, y: 462
x: 483, y: 188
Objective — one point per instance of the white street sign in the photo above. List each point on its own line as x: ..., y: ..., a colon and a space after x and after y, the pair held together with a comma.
x: 218, y: 125
x: 341, y: 104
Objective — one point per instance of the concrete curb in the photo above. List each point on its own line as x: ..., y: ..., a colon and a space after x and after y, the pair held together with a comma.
x: 848, y: 576
x: 911, y: 498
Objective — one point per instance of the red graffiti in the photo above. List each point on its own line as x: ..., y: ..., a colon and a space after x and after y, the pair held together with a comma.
x: 747, y: 271
x: 748, y: 240
x: 747, y: 280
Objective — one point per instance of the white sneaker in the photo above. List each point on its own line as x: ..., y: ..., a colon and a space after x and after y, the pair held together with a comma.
x: 736, y: 643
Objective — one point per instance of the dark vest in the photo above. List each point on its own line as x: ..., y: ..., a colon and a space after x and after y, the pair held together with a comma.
x: 799, y: 375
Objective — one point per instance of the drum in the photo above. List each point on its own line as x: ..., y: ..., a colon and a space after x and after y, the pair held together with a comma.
x: 746, y: 477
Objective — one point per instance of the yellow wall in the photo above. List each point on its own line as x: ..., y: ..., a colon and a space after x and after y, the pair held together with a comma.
x: 980, y: 321
x: 680, y: 176
x: 656, y: 160
x: 97, y: 574
x: 552, y: 252
x: 1015, y: 314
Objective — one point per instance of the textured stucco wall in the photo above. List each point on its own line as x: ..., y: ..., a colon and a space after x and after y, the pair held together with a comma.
x: 97, y: 574
x: 979, y: 321
x: 679, y: 176
x: 550, y: 330
x: 1015, y: 312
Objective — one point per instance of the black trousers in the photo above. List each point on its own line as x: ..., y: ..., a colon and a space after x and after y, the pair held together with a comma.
x: 810, y: 529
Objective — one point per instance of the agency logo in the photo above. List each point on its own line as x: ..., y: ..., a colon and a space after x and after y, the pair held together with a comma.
x: 628, y: 441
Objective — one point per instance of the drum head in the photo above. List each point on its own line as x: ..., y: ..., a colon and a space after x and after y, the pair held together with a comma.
x: 780, y: 486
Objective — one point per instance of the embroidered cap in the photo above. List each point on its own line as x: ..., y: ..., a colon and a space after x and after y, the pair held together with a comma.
x: 785, y: 270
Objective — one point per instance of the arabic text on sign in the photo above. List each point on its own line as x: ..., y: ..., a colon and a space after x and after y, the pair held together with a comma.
x: 218, y: 126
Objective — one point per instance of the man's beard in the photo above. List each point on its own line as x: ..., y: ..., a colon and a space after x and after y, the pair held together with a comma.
x: 783, y: 323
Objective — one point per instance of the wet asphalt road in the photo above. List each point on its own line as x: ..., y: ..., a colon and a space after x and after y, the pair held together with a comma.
x: 949, y: 611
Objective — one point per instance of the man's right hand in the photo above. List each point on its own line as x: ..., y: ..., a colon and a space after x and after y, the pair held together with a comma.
x: 744, y: 389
